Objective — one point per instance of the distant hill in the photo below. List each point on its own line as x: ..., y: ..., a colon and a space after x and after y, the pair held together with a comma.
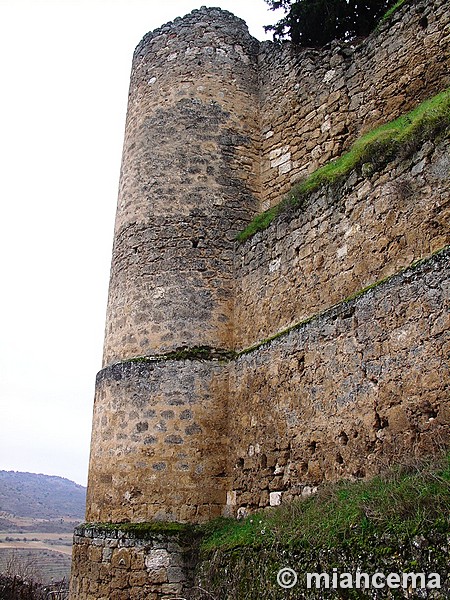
x: 41, y: 496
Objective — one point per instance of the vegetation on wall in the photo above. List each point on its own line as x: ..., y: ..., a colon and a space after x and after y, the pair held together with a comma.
x: 370, y: 153
x: 397, y: 521
x: 401, y: 501
x: 141, y: 530
x: 388, y: 14
x: 199, y: 353
x: 316, y: 22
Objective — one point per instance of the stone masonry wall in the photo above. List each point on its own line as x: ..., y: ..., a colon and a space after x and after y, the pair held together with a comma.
x: 159, y: 445
x: 341, y: 241
x: 114, y: 565
x: 218, y: 127
x: 190, y: 174
x: 207, y: 105
x: 358, y: 388
x: 189, y: 178
x: 315, y: 103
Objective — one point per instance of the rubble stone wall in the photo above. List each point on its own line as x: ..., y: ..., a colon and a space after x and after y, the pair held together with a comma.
x: 316, y: 102
x: 236, y: 376
x: 340, y: 241
x: 190, y: 171
x: 114, y: 565
x: 160, y: 444
x: 344, y: 395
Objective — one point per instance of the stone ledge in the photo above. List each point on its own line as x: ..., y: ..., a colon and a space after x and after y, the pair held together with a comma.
x: 205, y: 353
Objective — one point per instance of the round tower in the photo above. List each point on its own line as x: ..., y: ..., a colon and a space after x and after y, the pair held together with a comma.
x: 188, y: 184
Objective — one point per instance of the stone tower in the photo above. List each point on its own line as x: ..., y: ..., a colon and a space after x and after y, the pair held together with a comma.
x: 238, y: 376
x: 188, y: 184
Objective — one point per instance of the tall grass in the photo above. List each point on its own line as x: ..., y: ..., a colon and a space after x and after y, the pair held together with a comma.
x: 392, y: 10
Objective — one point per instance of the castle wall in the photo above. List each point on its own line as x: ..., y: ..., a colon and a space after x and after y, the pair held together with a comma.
x: 354, y: 390
x: 341, y: 241
x: 219, y: 126
x: 115, y: 565
x: 315, y: 103
x: 189, y: 176
x: 158, y: 448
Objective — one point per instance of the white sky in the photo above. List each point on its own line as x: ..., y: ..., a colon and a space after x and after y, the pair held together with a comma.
x: 64, y: 68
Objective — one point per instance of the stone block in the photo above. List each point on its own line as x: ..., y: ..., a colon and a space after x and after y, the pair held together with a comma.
x: 176, y: 574
x: 275, y: 498
x: 157, y: 576
x: 119, y: 579
x: 121, y: 558
x: 172, y: 589
x: 138, y: 578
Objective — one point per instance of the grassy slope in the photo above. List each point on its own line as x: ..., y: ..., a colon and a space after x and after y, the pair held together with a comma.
x: 403, y: 501
x: 398, y: 522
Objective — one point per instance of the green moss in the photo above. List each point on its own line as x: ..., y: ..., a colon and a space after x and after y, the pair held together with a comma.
x: 259, y: 223
x: 388, y: 14
x: 398, y: 138
x: 281, y: 333
x: 194, y: 353
x: 145, y: 530
x: 208, y: 353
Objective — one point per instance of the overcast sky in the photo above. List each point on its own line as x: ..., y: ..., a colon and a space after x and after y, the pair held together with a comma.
x: 65, y: 68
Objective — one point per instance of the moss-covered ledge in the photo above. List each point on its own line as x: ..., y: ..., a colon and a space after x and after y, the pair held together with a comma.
x: 398, y: 139
x: 200, y: 353
x: 132, y: 561
x: 206, y: 353
x: 137, y: 531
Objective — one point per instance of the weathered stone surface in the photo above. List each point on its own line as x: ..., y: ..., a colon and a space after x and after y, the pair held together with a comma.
x: 315, y: 102
x: 219, y: 127
x: 126, y: 478
x: 188, y: 182
x: 359, y: 387
x: 153, y: 567
x: 341, y: 241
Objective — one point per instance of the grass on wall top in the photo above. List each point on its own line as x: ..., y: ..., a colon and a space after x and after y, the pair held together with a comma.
x: 375, y: 149
x: 392, y: 10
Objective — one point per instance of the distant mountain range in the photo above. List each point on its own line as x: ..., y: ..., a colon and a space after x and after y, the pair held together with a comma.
x: 41, y: 496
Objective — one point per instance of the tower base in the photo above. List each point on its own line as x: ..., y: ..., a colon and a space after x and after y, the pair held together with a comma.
x: 132, y: 562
